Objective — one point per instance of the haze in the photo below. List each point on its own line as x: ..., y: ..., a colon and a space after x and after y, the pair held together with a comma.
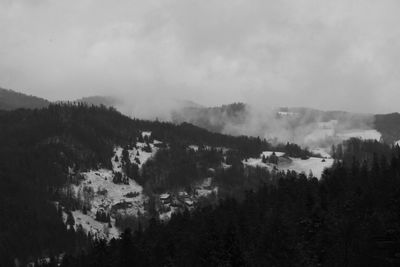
x: 340, y: 55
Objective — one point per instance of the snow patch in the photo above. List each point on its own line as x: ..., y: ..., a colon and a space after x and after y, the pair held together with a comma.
x: 313, y: 164
x: 145, y: 133
x: 194, y: 147
x: 269, y: 153
x: 97, y: 229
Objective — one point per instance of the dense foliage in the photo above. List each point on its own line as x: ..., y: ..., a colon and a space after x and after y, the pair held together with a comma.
x: 349, y: 218
x: 39, y: 148
x: 389, y: 126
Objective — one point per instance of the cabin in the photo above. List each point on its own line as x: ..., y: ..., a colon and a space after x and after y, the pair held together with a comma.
x: 165, y: 198
x: 189, y: 203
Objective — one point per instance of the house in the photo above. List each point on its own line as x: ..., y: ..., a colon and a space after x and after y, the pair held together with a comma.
x: 189, y: 203
x: 165, y: 198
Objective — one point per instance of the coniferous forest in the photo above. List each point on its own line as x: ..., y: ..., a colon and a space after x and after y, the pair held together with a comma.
x: 350, y: 217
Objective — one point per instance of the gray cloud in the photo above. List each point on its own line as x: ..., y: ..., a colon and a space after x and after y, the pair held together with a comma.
x: 323, y: 54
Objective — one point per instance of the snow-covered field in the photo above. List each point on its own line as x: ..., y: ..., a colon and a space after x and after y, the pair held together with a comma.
x: 313, y: 164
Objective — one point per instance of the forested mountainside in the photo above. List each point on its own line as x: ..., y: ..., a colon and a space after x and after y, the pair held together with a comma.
x: 53, y: 159
x: 10, y: 100
x: 389, y: 126
x: 349, y: 218
x: 75, y: 178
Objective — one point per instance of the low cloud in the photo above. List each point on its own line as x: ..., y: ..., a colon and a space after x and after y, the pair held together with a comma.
x: 328, y: 55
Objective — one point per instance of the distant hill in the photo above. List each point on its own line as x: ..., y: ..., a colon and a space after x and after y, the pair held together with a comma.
x: 10, y: 100
x: 389, y: 126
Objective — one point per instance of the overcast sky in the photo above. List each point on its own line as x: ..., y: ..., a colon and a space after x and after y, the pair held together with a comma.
x: 342, y: 54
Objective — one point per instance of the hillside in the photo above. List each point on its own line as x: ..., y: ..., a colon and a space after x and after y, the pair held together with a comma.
x: 349, y: 218
x: 73, y: 173
x: 10, y: 100
x: 107, y: 101
x: 389, y: 126
x: 86, y: 171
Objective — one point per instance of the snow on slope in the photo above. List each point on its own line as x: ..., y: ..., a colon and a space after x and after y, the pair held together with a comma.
x: 107, y: 196
x: 313, y: 164
x: 257, y: 162
x: 107, y: 193
x: 194, y: 147
x: 144, y: 134
x: 143, y: 155
x: 96, y: 228
x: 205, y: 188
x: 103, y: 194
x: 269, y: 153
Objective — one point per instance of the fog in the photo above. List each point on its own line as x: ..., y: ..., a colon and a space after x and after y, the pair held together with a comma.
x: 310, y: 128
x: 331, y: 55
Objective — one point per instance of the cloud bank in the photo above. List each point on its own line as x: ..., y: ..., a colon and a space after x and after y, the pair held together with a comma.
x: 322, y: 54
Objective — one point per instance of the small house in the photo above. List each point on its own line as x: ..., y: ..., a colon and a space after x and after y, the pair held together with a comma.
x: 189, y: 203
x: 165, y: 198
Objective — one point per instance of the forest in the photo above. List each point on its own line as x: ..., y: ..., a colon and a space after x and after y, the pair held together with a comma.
x: 39, y: 147
x: 348, y: 218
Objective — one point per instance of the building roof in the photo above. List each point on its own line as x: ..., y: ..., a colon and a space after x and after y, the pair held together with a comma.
x: 164, y: 196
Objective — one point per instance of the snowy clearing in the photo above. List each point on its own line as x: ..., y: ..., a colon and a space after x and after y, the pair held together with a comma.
x: 313, y: 164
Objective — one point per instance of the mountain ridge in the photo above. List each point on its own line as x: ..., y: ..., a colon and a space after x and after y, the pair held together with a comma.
x: 10, y: 100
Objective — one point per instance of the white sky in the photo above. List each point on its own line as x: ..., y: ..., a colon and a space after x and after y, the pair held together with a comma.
x: 342, y: 54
